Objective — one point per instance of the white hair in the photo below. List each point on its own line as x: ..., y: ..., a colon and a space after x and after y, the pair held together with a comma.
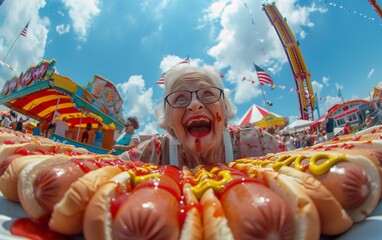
x: 177, y: 73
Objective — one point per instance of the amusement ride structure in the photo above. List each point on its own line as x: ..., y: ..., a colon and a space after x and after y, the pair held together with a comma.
x: 300, y: 72
x: 377, y: 7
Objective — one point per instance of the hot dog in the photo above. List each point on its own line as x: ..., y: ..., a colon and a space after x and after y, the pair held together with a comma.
x: 43, y: 183
x: 22, y: 155
x: 67, y: 216
x: 145, y: 196
x: 9, y: 153
x: 248, y: 217
x: 334, y: 220
x: 353, y: 179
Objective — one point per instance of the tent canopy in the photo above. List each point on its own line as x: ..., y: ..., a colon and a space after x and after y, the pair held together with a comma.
x: 44, y: 95
x: 297, y: 126
x: 260, y: 117
x: 317, y: 122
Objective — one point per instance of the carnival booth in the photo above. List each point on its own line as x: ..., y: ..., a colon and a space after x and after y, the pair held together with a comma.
x: 353, y: 111
x: 46, y: 96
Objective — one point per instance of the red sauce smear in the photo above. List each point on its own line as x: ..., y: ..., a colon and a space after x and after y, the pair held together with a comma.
x: 218, y: 117
x: 198, y: 146
x: 243, y: 180
x: 25, y: 227
x: 116, y: 203
x: 184, y: 208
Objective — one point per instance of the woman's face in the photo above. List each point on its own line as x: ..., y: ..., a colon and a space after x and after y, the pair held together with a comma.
x: 198, y: 126
x: 129, y: 128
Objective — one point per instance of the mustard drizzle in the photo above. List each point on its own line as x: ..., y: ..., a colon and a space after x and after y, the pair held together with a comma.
x: 297, y: 159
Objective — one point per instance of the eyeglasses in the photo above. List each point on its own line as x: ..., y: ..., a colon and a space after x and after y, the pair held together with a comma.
x: 182, y: 98
x: 128, y: 125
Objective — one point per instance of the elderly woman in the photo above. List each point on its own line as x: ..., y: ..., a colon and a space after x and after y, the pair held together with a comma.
x: 195, y: 112
x: 129, y: 139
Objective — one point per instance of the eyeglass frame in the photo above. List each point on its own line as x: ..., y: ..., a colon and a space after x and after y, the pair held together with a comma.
x: 221, y: 92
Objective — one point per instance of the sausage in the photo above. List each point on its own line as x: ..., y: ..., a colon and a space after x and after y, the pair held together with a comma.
x: 255, y: 212
x: 353, y: 179
x: 51, y: 183
x: 348, y: 183
x: 251, y: 208
x: 151, y: 210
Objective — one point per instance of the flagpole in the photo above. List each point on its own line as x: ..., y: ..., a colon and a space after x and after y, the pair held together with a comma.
x: 265, y: 100
x: 11, y: 48
x: 340, y: 93
x: 14, y: 42
x: 317, y: 107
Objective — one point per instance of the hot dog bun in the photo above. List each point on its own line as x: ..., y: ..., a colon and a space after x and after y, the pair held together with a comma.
x: 98, y: 221
x: 214, y: 220
x: 366, y: 186
x: 25, y: 186
x: 8, y: 182
x: 67, y: 216
x: 192, y: 226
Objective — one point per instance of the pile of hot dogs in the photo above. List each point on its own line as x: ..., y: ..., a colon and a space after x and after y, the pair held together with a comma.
x: 302, y: 194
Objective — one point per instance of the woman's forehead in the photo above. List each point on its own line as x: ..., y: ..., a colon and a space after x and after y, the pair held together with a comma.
x: 191, y: 81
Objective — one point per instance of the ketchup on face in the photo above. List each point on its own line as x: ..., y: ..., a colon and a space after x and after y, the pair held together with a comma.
x: 25, y: 227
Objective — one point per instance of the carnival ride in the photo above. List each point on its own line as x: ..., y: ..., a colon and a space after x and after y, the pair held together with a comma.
x: 301, y: 74
x: 45, y: 96
x: 376, y: 7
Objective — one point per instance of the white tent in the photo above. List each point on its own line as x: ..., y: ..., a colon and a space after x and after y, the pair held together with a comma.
x: 297, y: 126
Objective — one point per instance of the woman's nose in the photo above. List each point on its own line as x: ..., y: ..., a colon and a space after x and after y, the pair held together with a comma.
x: 195, y: 103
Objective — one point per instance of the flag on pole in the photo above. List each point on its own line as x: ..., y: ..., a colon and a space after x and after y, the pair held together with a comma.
x: 163, y: 77
x: 264, y: 78
x: 25, y: 30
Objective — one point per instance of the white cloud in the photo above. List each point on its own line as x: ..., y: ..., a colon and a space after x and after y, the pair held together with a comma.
x: 370, y: 73
x: 339, y: 86
x: 62, y: 29
x: 82, y: 13
x: 317, y: 87
x: 325, y: 80
x: 241, y: 23
x: 137, y: 100
x: 28, y: 50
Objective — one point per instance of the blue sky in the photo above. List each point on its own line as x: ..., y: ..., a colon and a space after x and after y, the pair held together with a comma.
x: 131, y: 43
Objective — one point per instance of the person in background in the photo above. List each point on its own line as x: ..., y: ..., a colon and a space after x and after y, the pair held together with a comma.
x: 319, y: 139
x: 305, y: 141
x: 297, y: 141
x: 98, y: 136
x: 85, y: 134
x: 36, y: 130
x: 61, y: 127
x: 368, y: 121
x: 347, y: 128
x: 129, y: 139
x: 329, y: 127
x: 195, y: 111
x: 288, y: 141
x: 6, y: 122
x: 19, y: 125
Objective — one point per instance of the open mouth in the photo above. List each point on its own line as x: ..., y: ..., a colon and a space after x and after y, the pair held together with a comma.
x: 199, y: 127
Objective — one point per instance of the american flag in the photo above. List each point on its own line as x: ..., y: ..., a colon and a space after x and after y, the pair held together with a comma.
x: 163, y: 77
x: 264, y: 78
x: 25, y: 30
